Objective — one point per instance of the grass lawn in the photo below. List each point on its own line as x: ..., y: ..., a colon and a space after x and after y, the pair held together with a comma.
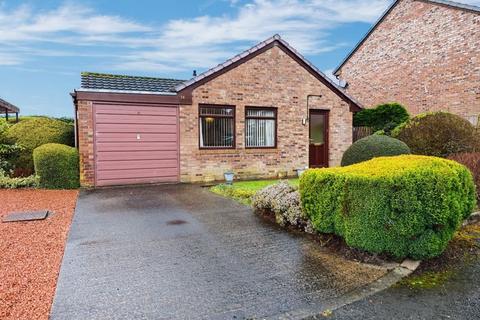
x: 242, y: 191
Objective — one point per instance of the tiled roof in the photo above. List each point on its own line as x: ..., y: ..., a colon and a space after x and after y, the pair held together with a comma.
x: 451, y: 4
x: 7, y: 105
x: 120, y: 83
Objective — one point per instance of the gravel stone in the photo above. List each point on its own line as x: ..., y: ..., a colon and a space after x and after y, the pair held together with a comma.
x: 31, y: 252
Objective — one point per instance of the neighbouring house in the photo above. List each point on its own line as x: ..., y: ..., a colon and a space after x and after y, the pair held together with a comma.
x: 7, y: 108
x: 266, y: 112
x: 424, y: 54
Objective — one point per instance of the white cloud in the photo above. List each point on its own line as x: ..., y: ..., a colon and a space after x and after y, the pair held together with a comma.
x: 180, y: 44
x: 7, y: 59
x: 25, y: 24
x: 202, y: 41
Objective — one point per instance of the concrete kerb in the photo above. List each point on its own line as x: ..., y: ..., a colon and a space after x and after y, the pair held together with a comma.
x: 396, y: 272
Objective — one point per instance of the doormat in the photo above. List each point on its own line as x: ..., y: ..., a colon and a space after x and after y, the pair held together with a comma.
x: 26, y: 216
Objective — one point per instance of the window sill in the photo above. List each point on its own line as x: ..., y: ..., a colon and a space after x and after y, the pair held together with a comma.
x: 240, y: 151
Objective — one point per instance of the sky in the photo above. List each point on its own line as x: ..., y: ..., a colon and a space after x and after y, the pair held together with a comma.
x: 45, y: 44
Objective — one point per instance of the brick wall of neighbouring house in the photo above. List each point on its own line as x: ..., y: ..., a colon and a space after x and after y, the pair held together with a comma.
x: 85, y: 143
x: 271, y: 79
x: 423, y: 55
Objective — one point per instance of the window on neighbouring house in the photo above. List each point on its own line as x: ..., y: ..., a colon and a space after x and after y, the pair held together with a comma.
x: 217, y: 127
x: 260, y: 127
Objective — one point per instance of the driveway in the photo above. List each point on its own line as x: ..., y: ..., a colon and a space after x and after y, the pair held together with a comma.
x: 181, y: 252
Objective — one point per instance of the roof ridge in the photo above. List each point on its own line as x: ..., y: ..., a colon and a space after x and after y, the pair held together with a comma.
x: 110, y: 75
x: 228, y: 62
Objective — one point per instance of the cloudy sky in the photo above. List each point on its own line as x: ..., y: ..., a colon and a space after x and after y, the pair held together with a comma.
x: 46, y: 44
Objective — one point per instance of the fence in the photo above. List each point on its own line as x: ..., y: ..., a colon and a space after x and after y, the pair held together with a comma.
x: 361, y: 132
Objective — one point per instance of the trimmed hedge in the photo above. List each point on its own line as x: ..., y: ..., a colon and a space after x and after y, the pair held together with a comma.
x: 35, y: 132
x: 372, y: 147
x: 383, y: 117
x: 438, y: 134
x: 405, y: 206
x: 56, y: 166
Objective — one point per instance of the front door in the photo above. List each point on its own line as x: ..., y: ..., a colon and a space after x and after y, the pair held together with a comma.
x: 318, y: 148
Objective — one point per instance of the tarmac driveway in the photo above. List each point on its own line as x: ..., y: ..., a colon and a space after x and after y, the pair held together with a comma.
x: 181, y: 252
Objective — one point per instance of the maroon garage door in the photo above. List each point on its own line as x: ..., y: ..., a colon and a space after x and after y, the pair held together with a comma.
x: 135, y: 144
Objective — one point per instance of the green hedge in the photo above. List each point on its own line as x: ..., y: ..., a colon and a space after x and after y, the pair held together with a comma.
x: 383, y: 117
x: 35, y: 132
x: 56, y: 166
x: 405, y: 206
x: 373, y: 146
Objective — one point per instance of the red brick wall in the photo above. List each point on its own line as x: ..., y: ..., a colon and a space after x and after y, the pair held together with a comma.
x: 85, y: 143
x: 270, y: 79
x: 423, y: 55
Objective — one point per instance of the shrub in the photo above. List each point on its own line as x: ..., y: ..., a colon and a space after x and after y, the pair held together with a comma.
x: 35, y: 132
x: 405, y: 206
x: 8, y: 154
x: 283, y: 200
x: 15, y: 183
x: 383, y: 117
x: 56, y: 166
x: 472, y: 162
x: 438, y: 134
x: 373, y: 146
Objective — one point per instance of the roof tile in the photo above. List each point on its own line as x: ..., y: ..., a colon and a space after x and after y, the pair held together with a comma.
x: 101, y: 81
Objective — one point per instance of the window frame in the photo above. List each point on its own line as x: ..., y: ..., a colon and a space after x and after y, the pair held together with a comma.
x: 275, y: 118
x: 234, y: 116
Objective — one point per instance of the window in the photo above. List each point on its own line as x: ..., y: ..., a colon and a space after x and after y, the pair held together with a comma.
x: 260, y: 127
x: 217, y: 127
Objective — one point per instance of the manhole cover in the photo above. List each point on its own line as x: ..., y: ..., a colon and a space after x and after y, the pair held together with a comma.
x: 26, y: 216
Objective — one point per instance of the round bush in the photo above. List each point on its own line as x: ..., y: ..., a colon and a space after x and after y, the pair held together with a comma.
x: 383, y: 117
x: 56, y: 166
x: 35, y: 132
x: 438, y: 134
x: 405, y: 206
x: 373, y: 146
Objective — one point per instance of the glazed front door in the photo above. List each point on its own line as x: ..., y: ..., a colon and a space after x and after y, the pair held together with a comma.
x: 318, y: 157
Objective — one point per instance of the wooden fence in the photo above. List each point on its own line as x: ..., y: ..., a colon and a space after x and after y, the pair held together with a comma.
x: 361, y: 132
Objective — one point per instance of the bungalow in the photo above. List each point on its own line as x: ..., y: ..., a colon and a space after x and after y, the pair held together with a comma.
x: 424, y: 54
x: 262, y: 114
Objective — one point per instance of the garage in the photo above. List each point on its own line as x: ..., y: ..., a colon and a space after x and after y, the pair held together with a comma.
x: 135, y: 144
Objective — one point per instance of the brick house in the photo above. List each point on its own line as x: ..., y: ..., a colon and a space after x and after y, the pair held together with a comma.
x: 424, y: 54
x: 264, y: 113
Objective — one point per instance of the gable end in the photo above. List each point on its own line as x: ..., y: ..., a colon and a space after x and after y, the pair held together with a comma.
x: 450, y: 4
x: 185, y: 90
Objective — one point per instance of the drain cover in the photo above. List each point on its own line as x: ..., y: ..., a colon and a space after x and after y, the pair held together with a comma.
x: 26, y: 216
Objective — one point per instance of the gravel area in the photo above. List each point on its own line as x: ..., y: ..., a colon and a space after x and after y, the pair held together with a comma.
x: 31, y: 252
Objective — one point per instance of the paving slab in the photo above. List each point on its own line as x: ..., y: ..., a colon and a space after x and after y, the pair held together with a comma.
x: 26, y: 216
x: 181, y: 252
